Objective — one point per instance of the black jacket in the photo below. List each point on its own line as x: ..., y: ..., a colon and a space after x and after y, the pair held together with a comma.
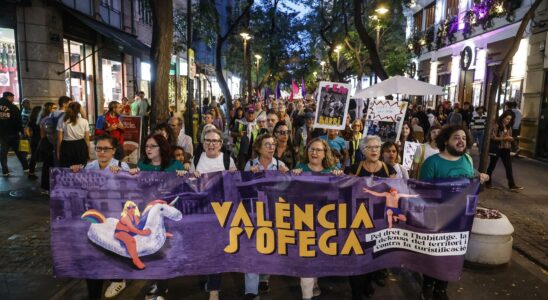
x: 10, y: 118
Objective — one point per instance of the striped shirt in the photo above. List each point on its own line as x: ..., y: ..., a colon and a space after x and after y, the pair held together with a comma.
x: 478, y: 122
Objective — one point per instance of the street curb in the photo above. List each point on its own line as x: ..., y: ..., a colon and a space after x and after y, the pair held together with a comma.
x: 530, y: 257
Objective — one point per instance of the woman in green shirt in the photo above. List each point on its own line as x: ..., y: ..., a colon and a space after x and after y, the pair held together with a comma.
x: 157, y: 156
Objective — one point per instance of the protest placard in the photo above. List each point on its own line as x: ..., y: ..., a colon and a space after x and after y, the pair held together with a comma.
x: 385, y: 119
x: 332, y: 105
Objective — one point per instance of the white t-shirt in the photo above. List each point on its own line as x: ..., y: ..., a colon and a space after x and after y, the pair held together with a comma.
x: 94, y: 165
x: 75, y: 132
x: 401, y: 172
x: 208, y: 165
x: 428, y: 151
x: 184, y: 141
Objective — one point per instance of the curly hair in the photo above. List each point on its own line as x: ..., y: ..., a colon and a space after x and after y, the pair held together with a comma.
x: 329, y: 160
x: 446, y: 133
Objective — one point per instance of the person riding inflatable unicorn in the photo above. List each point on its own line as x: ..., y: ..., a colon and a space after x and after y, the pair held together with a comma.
x: 132, y: 236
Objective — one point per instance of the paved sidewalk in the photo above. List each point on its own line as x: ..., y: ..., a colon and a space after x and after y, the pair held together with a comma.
x: 25, y: 256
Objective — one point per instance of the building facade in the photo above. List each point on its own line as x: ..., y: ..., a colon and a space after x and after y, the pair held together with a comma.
x: 90, y: 50
x: 457, y: 44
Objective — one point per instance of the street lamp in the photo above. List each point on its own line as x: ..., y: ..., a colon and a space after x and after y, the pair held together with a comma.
x: 381, y: 10
x: 258, y: 60
x: 337, y: 50
x: 246, y: 37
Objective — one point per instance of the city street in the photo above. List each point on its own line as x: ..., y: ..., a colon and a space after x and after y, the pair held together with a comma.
x: 26, y: 267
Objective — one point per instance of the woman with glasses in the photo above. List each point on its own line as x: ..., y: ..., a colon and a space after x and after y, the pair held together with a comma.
x: 105, y: 147
x: 212, y: 159
x: 319, y: 159
x: 354, y: 151
x: 371, y: 165
x: 157, y: 156
x: 285, y: 151
x: 263, y: 151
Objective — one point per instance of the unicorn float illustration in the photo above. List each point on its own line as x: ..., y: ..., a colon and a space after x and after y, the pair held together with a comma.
x: 133, y: 236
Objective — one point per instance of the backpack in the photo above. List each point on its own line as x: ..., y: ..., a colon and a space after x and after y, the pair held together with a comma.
x: 100, y: 125
x: 226, y: 160
x: 50, y: 126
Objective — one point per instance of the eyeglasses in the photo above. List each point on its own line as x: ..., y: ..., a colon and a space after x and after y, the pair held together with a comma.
x: 282, y: 132
x: 212, y: 142
x: 315, y: 150
x: 151, y: 146
x: 103, y: 149
x: 270, y: 145
x: 130, y: 207
x: 372, y: 148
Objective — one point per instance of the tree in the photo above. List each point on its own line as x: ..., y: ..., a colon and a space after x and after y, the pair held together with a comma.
x: 219, y: 42
x: 496, y: 81
x: 160, y: 52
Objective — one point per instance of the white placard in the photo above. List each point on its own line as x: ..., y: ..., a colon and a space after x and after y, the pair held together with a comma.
x: 332, y: 105
x: 408, y: 154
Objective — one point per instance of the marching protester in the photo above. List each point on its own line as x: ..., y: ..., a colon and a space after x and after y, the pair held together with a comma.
x: 33, y: 130
x: 500, y: 147
x: 212, y: 159
x: 390, y: 156
x: 319, y: 159
x: 284, y: 149
x: 113, y: 126
x: 354, y: 151
x: 11, y: 128
x: 451, y: 162
x: 372, y: 164
x: 105, y: 148
x: 73, y: 137
x: 271, y: 120
x: 425, y: 150
x: 263, y: 150
x: 407, y: 135
x: 184, y: 141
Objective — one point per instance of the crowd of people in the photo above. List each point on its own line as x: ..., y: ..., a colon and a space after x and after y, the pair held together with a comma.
x: 274, y: 135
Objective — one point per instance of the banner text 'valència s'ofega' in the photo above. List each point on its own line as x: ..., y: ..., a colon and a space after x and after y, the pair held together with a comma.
x: 155, y: 225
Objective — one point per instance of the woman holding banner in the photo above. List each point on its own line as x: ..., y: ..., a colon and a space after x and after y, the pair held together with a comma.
x: 319, y: 159
x: 284, y: 149
x: 390, y: 157
x: 407, y: 135
x: 370, y: 146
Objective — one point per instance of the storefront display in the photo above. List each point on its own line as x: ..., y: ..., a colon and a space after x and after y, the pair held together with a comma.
x: 9, y: 81
x: 79, y: 78
x: 113, y: 81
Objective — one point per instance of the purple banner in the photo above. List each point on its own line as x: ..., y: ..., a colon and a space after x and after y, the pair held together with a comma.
x: 268, y: 223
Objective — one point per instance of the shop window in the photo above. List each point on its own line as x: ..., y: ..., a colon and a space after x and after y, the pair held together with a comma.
x: 79, y: 77
x: 9, y: 78
x: 417, y: 21
x: 430, y: 12
x: 452, y: 8
x: 113, y: 81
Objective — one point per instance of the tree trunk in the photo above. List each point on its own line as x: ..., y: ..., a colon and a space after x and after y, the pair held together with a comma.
x: 369, y: 43
x: 160, y: 52
x: 495, y: 84
x: 219, y: 73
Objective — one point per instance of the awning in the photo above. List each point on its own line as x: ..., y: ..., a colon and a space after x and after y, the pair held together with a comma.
x: 126, y: 42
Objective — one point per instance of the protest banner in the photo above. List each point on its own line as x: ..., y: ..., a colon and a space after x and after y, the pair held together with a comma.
x: 268, y: 223
x: 132, y: 138
x: 332, y: 105
x: 385, y: 119
x: 409, y: 154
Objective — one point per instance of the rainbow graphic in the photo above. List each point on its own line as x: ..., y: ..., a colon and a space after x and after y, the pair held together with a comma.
x: 93, y: 216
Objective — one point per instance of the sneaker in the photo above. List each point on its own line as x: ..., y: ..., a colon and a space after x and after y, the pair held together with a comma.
x: 26, y: 170
x: 45, y: 192
x: 427, y: 292
x: 6, y: 174
x: 250, y: 296
x: 214, y: 295
x: 154, y: 297
x: 115, y: 288
x: 264, y: 287
x: 516, y: 188
x: 440, y: 294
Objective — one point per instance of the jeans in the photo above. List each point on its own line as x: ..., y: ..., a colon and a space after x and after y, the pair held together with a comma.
x: 7, y: 142
x: 251, y: 283
x: 478, y: 138
x: 504, y: 155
